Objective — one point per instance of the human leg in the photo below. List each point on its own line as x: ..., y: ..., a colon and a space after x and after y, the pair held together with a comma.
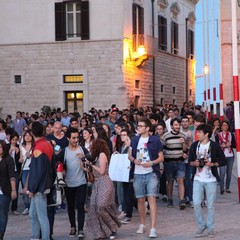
x: 4, y: 206
x: 222, y: 177
x: 80, y: 202
x: 70, y: 196
x: 198, y: 193
x: 211, y: 189
x: 230, y: 161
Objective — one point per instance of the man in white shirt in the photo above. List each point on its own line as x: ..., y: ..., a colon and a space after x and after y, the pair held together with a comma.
x: 205, y: 156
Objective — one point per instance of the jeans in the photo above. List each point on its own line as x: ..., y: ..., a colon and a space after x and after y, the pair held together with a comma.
x: 4, y: 206
x: 39, y: 217
x: 227, y: 169
x: 26, y: 198
x: 188, y: 183
x: 76, y: 198
x: 198, y: 194
x: 128, y: 196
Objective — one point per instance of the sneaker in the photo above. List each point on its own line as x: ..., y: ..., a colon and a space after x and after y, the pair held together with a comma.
x: 141, y: 229
x: 170, y: 203
x: 80, y: 234
x: 199, y: 232
x: 191, y: 204
x: 16, y: 213
x: 211, y: 234
x: 113, y: 235
x: 72, y: 232
x: 164, y: 198
x: 152, y: 233
x: 182, y: 204
x: 122, y: 215
x: 120, y: 208
x: 25, y: 211
x: 126, y: 220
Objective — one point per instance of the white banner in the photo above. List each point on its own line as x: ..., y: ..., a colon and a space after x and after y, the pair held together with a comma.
x: 119, y: 167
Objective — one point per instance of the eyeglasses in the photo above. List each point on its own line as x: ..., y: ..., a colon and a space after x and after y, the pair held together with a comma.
x: 140, y: 126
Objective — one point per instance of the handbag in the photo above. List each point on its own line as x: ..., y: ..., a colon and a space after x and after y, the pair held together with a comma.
x: 90, y: 177
x: 56, y: 195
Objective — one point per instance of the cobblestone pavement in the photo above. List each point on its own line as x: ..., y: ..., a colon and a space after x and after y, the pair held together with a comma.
x: 173, y: 224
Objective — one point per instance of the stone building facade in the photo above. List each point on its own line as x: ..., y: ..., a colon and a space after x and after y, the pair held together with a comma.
x: 84, y: 53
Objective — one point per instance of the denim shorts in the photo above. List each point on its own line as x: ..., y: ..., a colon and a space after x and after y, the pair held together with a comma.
x: 146, y: 185
x: 174, y: 170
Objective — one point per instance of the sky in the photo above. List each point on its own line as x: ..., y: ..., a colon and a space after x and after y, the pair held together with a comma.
x: 199, y: 47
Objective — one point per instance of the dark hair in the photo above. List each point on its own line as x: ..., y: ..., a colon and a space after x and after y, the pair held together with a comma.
x: 30, y: 133
x: 214, y: 120
x: 4, y: 147
x: 37, y: 129
x: 70, y: 131
x: 74, y: 119
x: 175, y: 120
x: 155, y: 117
x: 206, y: 128
x: 146, y: 121
x: 20, y: 113
x: 4, y: 125
x: 99, y: 146
x: 9, y: 130
x: 199, y: 118
x: 101, y: 133
x: 13, y: 135
x: 191, y: 113
x: 227, y: 122
x: 109, y: 134
x: 34, y: 116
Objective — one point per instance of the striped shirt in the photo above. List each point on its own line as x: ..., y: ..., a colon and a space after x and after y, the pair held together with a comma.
x: 173, y: 146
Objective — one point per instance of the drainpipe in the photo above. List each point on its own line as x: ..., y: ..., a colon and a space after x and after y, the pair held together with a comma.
x: 186, y: 25
x: 153, y: 67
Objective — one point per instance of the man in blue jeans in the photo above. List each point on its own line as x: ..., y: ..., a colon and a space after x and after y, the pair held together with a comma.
x: 40, y: 182
x: 205, y: 156
x: 146, y: 153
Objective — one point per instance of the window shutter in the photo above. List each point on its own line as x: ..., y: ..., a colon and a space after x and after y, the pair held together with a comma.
x: 141, y: 20
x: 176, y: 37
x: 60, y: 22
x: 172, y: 37
x: 159, y: 31
x: 134, y: 19
x: 164, y: 22
x: 85, y: 20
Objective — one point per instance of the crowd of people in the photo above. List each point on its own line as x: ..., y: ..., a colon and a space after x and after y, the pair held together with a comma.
x: 164, y: 145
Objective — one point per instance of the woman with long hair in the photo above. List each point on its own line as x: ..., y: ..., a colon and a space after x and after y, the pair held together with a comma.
x: 25, y: 159
x: 102, y: 222
x: 227, y: 141
x: 7, y: 185
x: 14, y: 152
x: 87, y: 138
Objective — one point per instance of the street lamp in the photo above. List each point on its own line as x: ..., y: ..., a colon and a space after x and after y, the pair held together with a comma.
x: 206, y: 71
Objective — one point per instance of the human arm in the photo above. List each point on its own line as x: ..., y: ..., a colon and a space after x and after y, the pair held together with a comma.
x: 103, y: 162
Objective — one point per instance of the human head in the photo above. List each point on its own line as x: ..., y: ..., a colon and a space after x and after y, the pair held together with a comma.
x: 170, y: 113
x: 160, y: 129
x: 175, y: 124
x: 198, y: 120
x: 72, y: 136
x: 154, y: 118
x: 185, y: 122
x: 27, y: 136
x: 144, y: 125
x: 57, y: 128
x: 190, y: 115
x: 88, y: 134
x: 18, y: 114
x: 14, y: 136
x: 3, y: 149
x: 3, y: 125
x: 204, y: 131
x: 74, y: 122
x: 37, y: 129
x: 225, y: 126
x: 99, y: 146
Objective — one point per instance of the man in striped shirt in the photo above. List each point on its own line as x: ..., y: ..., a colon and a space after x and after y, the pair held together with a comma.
x: 174, y: 154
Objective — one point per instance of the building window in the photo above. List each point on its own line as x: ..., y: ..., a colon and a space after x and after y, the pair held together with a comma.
x: 174, y: 38
x: 73, y: 78
x: 162, y: 33
x: 162, y: 88
x: 136, y: 101
x: 17, y: 79
x: 72, y: 20
x: 138, y: 26
x: 137, y: 84
x: 161, y: 101
x: 74, y: 100
x: 174, y: 101
x: 190, y: 44
x: 190, y: 92
x: 174, y: 90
